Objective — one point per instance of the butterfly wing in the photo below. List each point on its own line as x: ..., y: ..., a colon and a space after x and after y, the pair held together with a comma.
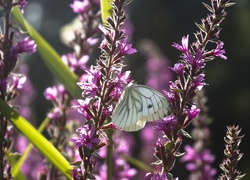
x: 128, y: 110
x: 137, y: 105
x: 154, y: 104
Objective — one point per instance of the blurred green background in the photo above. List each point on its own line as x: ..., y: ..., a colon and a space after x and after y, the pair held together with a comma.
x: 165, y: 22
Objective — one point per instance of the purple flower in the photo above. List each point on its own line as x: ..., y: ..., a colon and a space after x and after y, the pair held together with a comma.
x: 92, y: 85
x: 125, y: 48
x: 56, y: 113
x: 198, y: 81
x: 85, y: 137
x: 76, y: 65
x: 155, y: 176
x: 199, y: 161
x: 192, y: 112
x: 170, y: 95
x: 83, y: 108
x: 79, y: 6
x: 26, y: 45
x: 22, y: 3
x: 179, y: 69
x: 51, y: 93
x: 18, y: 82
x: 119, y: 83
x: 219, y: 51
x: 77, y: 173
x: 196, y: 61
x: 183, y: 46
x: 167, y: 124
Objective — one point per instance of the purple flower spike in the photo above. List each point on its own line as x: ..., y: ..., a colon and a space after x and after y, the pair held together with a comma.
x: 199, y: 161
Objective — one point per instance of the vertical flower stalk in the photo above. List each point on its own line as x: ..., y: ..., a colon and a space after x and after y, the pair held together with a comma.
x: 190, y: 80
x: 123, y: 143
x: 11, y: 46
x: 232, y: 154
x: 101, y: 89
x: 198, y: 157
x: 83, y: 39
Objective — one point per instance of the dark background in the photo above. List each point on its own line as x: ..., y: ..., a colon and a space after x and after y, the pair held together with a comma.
x: 165, y: 22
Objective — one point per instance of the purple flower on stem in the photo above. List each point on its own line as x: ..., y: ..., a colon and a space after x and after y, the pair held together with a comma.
x: 125, y: 48
x: 190, y: 80
x: 167, y: 124
x: 179, y: 69
x: 26, y: 45
x: 183, y: 46
x: 80, y: 6
x: 198, y: 82
x: 23, y: 4
x: 91, y: 87
x: 155, y: 176
x: 76, y: 65
x: 219, y: 51
x: 102, y: 85
x: 192, y: 112
x: 197, y: 160
x: 51, y: 93
x: 18, y: 82
x: 86, y: 137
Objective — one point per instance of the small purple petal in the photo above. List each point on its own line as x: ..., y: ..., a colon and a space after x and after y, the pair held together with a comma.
x: 219, y: 51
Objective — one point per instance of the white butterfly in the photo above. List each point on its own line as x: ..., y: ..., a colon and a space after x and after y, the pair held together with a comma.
x: 137, y: 105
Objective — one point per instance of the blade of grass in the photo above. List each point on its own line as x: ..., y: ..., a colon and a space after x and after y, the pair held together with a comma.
x: 37, y: 139
x: 19, y: 163
x: 106, y: 9
x: 137, y: 163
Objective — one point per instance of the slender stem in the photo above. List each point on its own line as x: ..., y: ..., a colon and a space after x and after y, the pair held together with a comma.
x: 110, y: 155
x: 1, y: 145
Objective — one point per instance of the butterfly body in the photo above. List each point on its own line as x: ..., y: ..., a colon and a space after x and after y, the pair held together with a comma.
x: 137, y: 105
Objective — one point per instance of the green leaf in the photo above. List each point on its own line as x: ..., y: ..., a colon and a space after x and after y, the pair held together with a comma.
x: 50, y: 56
x: 106, y: 9
x: 201, y: 27
x: 17, y: 166
x: 37, y: 139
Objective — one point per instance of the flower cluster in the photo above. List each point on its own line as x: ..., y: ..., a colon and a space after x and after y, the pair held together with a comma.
x: 199, y: 163
x: 83, y: 39
x: 198, y: 158
x: 190, y: 80
x: 232, y: 154
x: 103, y: 84
x: 12, y: 45
x: 95, y: 149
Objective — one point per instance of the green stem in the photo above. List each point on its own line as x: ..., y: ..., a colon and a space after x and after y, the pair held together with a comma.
x: 110, y: 155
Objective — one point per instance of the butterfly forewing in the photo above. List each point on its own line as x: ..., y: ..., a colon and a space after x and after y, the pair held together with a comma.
x: 137, y: 105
